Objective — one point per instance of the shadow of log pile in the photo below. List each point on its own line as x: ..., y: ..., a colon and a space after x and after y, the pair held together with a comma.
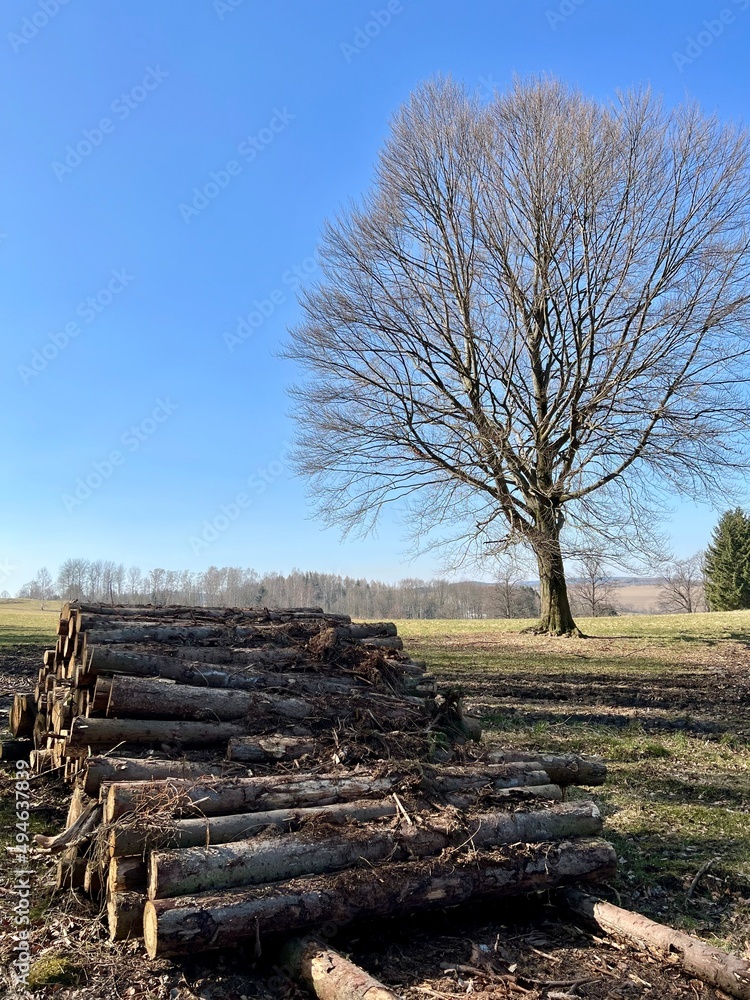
x: 238, y: 774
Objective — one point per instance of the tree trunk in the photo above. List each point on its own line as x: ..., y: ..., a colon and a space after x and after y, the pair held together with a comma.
x: 729, y: 973
x: 260, y: 860
x: 569, y: 770
x: 221, y: 796
x: 191, y: 924
x: 137, y: 838
x: 99, y: 769
x: 111, y: 732
x: 556, y: 616
x: 125, y: 915
x: 329, y: 975
x: 261, y: 750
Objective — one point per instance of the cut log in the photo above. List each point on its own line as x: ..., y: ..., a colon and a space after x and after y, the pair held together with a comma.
x: 728, y: 972
x: 329, y: 975
x: 191, y: 924
x: 111, y: 732
x: 94, y: 879
x: 568, y: 770
x: 125, y: 915
x: 252, y: 750
x: 145, y: 698
x: 22, y: 715
x: 12, y: 750
x: 137, y: 838
x: 186, y: 872
x: 100, y: 769
x: 127, y: 874
x: 214, y: 798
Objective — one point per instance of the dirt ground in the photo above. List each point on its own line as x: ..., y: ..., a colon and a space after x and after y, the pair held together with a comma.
x: 513, y: 948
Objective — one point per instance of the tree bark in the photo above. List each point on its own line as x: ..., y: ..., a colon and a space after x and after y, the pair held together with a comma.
x: 222, y: 796
x: 556, y: 616
x: 186, y: 872
x: 110, y: 732
x: 329, y: 975
x: 254, y: 750
x: 190, y: 924
x: 136, y: 838
x: 100, y: 769
x: 563, y: 771
x: 729, y: 973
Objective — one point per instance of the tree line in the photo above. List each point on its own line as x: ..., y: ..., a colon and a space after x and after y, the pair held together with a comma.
x: 231, y: 586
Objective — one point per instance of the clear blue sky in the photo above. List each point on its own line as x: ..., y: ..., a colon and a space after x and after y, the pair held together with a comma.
x: 114, y: 114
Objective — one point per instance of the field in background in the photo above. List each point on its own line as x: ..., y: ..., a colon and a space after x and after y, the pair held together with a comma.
x: 665, y: 699
x: 23, y: 621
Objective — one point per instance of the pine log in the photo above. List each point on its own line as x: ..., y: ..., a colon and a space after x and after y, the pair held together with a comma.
x: 197, y: 613
x: 567, y: 770
x: 214, y: 798
x: 728, y: 972
x: 136, y: 838
x: 158, y: 633
x: 70, y: 872
x: 191, y: 924
x: 259, y: 750
x: 125, y: 915
x: 100, y: 696
x: 100, y: 769
x: 126, y: 874
x: 186, y: 872
x: 328, y: 974
x: 146, y: 698
x: 111, y: 732
x: 22, y: 715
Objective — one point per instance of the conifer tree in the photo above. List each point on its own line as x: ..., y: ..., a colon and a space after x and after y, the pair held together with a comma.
x: 727, y: 565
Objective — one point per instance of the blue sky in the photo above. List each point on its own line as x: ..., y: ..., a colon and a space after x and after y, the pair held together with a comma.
x: 167, y: 169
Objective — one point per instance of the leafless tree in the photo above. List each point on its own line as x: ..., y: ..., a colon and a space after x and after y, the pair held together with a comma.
x: 44, y: 585
x: 682, y: 586
x: 594, y: 591
x: 537, y: 319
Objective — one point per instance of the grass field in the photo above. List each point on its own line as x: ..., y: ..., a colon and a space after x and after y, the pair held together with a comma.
x: 23, y: 622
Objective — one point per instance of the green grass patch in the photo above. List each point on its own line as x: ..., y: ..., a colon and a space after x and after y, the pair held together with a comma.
x: 23, y: 622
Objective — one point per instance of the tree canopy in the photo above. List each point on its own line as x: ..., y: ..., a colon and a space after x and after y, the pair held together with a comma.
x: 536, y: 320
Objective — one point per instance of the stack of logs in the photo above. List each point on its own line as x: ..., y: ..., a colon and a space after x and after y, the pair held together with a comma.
x: 248, y: 772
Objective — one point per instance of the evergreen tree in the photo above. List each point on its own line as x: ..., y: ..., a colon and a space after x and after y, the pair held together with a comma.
x: 727, y: 565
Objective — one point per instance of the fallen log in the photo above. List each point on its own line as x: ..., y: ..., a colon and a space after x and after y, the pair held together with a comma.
x: 727, y: 972
x: 329, y: 975
x: 145, y: 698
x: 101, y: 769
x: 13, y: 750
x: 563, y: 770
x: 252, y: 750
x: 126, y: 874
x: 217, y: 797
x: 158, y: 633
x: 75, y: 834
x: 137, y: 838
x: 186, y: 872
x: 111, y: 732
x: 195, y: 923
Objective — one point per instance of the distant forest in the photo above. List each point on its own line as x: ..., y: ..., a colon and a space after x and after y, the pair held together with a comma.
x: 230, y: 586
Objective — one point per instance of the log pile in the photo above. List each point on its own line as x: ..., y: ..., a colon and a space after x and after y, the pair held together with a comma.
x: 239, y: 773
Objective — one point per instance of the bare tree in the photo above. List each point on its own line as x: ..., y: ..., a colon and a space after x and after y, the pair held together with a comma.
x: 44, y: 585
x: 537, y: 319
x: 682, y: 590
x: 593, y: 592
